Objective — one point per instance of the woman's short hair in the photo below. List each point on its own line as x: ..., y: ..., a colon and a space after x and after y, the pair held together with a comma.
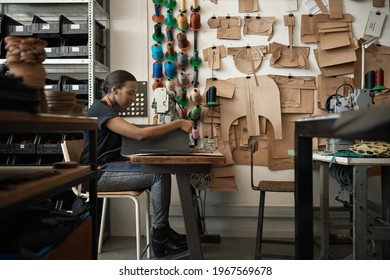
x: 117, y: 79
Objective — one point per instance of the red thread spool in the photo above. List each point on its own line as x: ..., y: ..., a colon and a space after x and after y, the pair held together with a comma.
x: 379, y: 77
x: 195, y: 21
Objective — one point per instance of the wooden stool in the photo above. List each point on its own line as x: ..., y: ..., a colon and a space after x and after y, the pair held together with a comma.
x: 263, y: 187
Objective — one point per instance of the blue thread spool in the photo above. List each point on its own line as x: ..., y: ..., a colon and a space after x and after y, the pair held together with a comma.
x: 169, y: 32
x: 157, y: 17
x: 170, y: 20
x: 157, y: 52
x: 157, y: 69
x: 370, y: 79
x: 211, y: 96
x: 170, y: 69
x: 182, y: 60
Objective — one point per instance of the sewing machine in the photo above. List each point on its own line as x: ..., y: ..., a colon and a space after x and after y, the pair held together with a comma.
x: 164, y: 105
x: 336, y: 104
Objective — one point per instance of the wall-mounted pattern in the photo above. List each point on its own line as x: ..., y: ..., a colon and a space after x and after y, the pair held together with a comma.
x: 266, y: 64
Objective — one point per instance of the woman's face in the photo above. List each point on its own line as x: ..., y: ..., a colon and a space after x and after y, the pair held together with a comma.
x: 126, y: 94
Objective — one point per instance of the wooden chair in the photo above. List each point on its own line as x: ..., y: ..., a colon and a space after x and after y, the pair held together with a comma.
x: 72, y: 150
x: 264, y: 187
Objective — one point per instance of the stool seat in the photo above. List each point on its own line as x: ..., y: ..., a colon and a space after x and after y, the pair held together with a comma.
x: 276, y: 186
x: 121, y: 193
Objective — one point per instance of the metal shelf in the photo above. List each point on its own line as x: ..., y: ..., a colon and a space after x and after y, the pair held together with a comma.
x: 25, y: 194
x: 24, y: 10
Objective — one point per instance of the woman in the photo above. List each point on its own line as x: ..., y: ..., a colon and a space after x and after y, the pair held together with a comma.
x: 115, y: 174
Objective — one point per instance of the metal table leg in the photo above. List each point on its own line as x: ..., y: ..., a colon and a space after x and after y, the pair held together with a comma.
x: 324, y: 210
x: 359, y: 251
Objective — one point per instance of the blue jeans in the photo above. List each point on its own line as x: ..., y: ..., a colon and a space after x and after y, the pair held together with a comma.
x: 158, y: 184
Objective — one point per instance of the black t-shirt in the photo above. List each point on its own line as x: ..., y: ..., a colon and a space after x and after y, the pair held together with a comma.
x: 109, y: 143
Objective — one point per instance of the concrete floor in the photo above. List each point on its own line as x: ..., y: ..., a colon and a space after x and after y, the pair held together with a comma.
x: 229, y: 248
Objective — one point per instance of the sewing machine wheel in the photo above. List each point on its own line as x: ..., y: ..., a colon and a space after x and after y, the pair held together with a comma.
x: 200, y: 181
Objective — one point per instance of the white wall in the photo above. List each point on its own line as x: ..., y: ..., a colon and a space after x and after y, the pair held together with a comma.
x: 231, y: 213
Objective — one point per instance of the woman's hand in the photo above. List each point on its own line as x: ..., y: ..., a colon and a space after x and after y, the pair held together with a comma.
x: 185, y: 125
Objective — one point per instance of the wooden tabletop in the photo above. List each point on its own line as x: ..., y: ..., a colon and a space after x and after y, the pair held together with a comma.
x: 29, y: 188
x: 12, y: 121
x: 213, y: 158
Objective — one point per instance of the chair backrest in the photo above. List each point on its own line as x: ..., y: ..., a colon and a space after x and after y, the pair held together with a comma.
x: 72, y: 149
x: 254, y: 146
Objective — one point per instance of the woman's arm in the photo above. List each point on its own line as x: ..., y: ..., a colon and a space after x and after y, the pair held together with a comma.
x: 121, y: 126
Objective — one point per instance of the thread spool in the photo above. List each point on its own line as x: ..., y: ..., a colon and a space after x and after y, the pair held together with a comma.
x: 370, y: 80
x: 182, y: 40
x: 169, y: 32
x: 195, y: 96
x: 379, y: 79
x: 170, y: 4
x: 182, y: 99
x: 157, y: 83
x: 182, y: 111
x: 182, y: 60
x: 157, y: 69
x: 195, y: 112
x: 157, y: 52
x: 211, y: 96
x: 158, y: 36
x: 195, y: 135
x: 183, y: 80
x: 170, y: 20
x: 170, y: 69
x: 170, y: 85
x: 195, y: 22
x: 195, y: 61
x: 157, y: 17
x: 195, y: 7
x: 183, y: 7
x: 183, y: 95
x: 171, y: 54
x: 195, y: 79
x: 182, y: 22
x: 157, y: 30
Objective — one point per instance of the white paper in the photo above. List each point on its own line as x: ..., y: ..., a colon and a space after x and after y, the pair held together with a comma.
x: 312, y: 6
x: 289, y: 5
x: 375, y: 24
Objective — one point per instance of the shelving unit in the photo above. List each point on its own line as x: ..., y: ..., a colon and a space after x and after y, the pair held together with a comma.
x: 20, y: 196
x: 91, y: 11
